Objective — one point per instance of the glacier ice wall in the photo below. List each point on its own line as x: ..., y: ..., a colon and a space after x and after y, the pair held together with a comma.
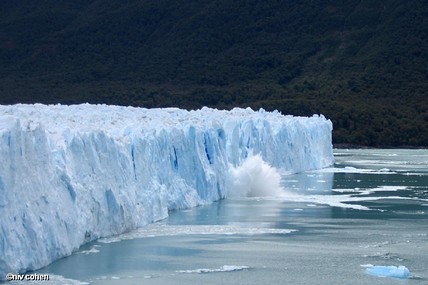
x: 72, y: 174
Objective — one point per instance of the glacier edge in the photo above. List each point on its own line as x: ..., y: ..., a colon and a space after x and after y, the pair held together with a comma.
x: 72, y: 174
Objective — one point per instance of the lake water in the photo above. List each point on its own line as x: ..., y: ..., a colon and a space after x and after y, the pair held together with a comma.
x: 370, y: 208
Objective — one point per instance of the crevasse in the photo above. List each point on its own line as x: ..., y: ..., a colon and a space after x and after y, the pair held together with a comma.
x: 72, y: 174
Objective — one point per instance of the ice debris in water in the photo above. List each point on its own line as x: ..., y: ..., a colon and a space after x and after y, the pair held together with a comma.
x: 400, y: 272
x: 224, y: 268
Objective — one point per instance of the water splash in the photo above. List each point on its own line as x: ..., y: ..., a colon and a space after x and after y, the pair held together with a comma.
x: 254, y: 178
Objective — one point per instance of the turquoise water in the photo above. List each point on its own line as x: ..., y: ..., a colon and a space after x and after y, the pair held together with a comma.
x: 370, y: 208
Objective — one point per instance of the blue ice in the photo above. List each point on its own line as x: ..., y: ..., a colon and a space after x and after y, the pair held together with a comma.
x: 400, y: 272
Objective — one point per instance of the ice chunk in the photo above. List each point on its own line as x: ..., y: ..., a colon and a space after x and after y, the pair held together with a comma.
x: 73, y: 174
x: 400, y: 272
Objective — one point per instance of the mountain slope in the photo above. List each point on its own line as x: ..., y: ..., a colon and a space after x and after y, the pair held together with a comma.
x: 361, y: 63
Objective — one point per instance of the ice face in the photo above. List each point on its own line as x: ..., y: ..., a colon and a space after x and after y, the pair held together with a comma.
x: 72, y: 174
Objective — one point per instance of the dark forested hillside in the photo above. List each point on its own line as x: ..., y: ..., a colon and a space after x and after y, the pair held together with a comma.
x: 362, y: 63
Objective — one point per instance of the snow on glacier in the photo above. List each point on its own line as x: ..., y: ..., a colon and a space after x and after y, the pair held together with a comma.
x: 72, y: 174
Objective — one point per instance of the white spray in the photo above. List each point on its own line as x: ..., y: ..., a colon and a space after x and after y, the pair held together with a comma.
x: 254, y: 178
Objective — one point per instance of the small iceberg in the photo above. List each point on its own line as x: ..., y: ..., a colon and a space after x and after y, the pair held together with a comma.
x: 400, y: 272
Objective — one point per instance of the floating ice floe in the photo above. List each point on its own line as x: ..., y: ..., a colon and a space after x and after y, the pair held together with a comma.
x: 89, y: 251
x: 224, y: 268
x: 351, y: 169
x: 400, y: 272
x: 156, y: 230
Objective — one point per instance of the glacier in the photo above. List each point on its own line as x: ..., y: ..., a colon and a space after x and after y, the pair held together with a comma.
x: 73, y: 174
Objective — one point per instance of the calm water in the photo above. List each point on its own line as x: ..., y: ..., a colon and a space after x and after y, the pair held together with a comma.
x: 371, y: 208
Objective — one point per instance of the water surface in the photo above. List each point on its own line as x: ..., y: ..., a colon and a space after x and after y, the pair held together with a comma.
x: 370, y: 208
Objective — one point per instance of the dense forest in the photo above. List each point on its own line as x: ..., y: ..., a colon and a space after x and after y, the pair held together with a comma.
x: 361, y: 63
